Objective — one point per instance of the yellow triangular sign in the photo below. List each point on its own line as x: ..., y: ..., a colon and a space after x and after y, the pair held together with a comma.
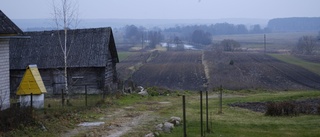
x: 31, y: 82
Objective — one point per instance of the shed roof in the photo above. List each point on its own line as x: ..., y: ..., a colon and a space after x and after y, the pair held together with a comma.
x: 88, y: 48
x: 7, y: 27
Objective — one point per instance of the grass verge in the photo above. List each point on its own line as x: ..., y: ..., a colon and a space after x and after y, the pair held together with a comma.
x: 236, y: 121
x: 313, y: 67
x: 233, y: 121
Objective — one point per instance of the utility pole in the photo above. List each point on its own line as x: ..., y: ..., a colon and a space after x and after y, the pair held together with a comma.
x: 142, y: 41
x: 265, y: 44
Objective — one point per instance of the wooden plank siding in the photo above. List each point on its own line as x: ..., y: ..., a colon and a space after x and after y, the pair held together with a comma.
x: 4, y: 74
x: 8, y: 30
x: 53, y: 80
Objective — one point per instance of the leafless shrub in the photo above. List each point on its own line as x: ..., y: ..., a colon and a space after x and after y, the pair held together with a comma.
x: 15, y: 117
x: 281, y: 109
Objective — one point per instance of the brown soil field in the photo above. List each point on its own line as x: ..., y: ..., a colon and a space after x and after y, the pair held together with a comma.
x: 128, y: 66
x: 257, y: 71
x: 193, y: 70
x: 173, y: 70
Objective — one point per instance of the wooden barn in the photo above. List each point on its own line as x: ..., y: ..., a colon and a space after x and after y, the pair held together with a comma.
x: 8, y: 30
x: 91, y: 60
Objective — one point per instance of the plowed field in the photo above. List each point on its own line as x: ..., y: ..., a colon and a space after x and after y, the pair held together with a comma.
x: 186, y: 71
x: 173, y: 70
x: 257, y: 71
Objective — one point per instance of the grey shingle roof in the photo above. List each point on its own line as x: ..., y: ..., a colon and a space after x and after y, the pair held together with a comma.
x: 88, y: 48
x: 7, y: 27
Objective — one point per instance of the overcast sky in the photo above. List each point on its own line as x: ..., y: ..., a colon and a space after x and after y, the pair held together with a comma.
x: 168, y: 9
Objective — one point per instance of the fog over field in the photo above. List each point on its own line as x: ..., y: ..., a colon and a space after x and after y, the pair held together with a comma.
x: 183, y: 30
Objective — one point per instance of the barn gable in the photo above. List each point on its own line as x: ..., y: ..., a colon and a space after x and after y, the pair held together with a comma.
x: 7, y: 30
x: 92, y: 53
x: 7, y: 27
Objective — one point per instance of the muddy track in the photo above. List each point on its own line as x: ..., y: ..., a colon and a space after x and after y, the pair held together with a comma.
x: 117, y: 123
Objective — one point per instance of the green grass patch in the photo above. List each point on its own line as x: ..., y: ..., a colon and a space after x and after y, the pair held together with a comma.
x: 236, y: 121
x: 313, y: 67
x: 123, y: 55
x: 233, y: 121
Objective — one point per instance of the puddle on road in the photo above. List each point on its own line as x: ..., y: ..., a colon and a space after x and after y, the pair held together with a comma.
x: 164, y: 102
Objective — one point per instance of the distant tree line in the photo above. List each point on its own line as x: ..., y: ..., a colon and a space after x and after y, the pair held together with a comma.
x: 202, y: 34
x: 294, y: 24
x: 140, y: 35
x: 217, y: 29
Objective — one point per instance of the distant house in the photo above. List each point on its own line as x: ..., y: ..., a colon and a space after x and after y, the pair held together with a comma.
x: 8, y: 30
x: 91, y: 61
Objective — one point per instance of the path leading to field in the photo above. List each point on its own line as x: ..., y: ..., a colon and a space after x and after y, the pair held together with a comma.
x: 117, y: 122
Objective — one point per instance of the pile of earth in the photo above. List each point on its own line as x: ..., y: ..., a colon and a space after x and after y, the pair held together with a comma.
x: 307, y: 106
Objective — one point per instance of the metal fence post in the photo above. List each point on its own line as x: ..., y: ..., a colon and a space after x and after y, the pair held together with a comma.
x: 201, y: 116
x: 86, y: 94
x: 184, y: 116
x: 62, y: 97
x: 31, y: 103
x: 220, y: 100
x: 207, y: 113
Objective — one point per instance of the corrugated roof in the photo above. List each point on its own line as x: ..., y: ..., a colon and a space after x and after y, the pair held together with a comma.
x: 7, y: 27
x: 88, y: 48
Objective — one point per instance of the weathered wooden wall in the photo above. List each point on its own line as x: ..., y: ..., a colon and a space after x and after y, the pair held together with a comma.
x: 110, y: 77
x: 54, y: 80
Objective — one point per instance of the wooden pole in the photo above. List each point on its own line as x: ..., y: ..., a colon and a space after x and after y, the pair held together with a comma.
x: 265, y: 44
x: 184, y: 116
x: 31, y: 100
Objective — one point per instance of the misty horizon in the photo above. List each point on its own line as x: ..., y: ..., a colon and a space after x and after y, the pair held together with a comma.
x: 167, y: 9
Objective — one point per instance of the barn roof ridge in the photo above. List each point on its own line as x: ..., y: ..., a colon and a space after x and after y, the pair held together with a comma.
x: 77, y: 30
x: 90, y: 47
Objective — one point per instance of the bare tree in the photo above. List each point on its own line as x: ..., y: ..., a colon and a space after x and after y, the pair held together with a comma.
x: 65, y: 13
x: 306, y: 45
x: 229, y: 44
